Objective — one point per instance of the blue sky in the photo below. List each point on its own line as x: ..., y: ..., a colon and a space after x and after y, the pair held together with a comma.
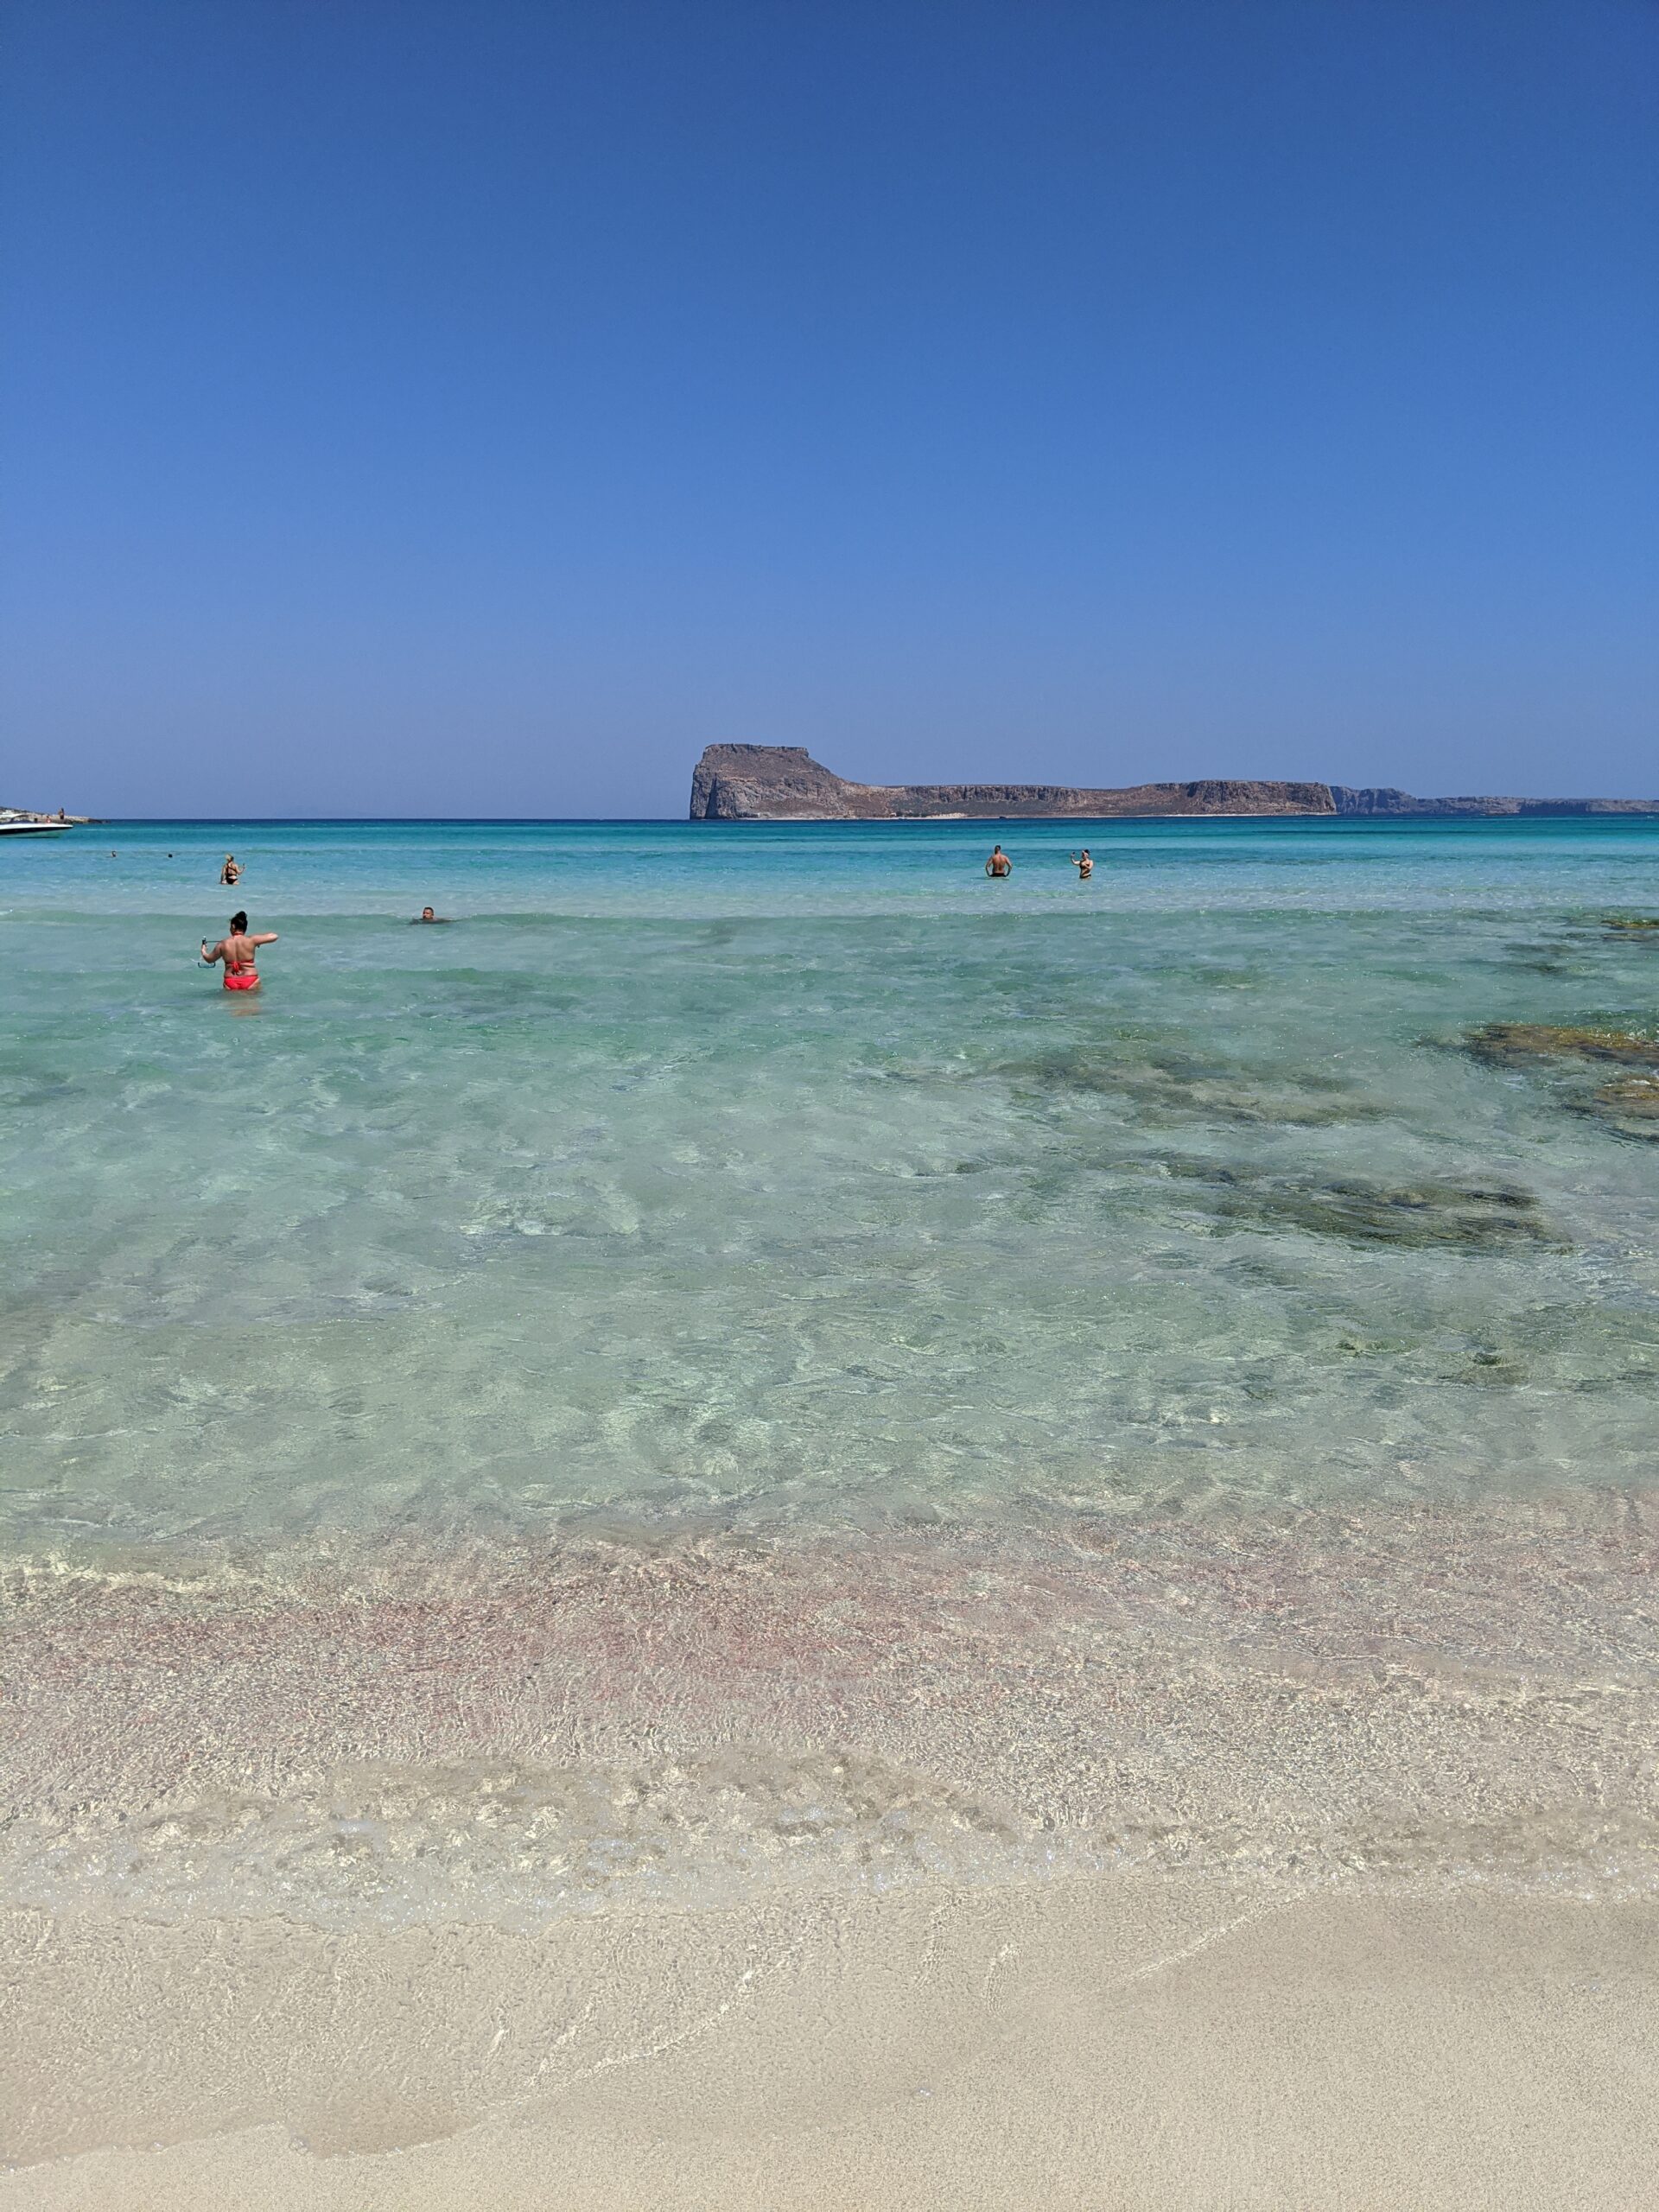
x: 478, y: 408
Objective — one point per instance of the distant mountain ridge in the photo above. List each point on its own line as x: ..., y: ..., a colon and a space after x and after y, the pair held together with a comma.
x: 784, y: 783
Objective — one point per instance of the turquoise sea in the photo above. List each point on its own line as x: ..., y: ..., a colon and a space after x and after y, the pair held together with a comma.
x: 707, y: 1202
x: 801, y: 1172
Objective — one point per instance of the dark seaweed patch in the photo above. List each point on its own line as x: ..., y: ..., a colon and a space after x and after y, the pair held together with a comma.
x: 1463, y: 1216
x: 1172, y: 1085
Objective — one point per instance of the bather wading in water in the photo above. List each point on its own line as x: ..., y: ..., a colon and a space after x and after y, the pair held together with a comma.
x: 999, y: 863
x: 237, y: 951
x: 1083, y: 864
x: 426, y: 914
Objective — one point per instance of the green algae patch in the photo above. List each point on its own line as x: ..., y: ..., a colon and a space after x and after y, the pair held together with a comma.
x: 1637, y: 925
x: 1523, y: 1043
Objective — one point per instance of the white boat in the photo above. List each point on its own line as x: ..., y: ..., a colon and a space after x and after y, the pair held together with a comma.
x: 25, y: 825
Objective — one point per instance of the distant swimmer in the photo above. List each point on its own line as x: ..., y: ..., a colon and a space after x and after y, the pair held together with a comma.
x: 1084, y: 864
x: 237, y: 951
x: 232, y: 871
x: 426, y: 914
x: 999, y: 863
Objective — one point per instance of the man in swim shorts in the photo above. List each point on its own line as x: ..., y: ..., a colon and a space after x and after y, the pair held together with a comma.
x: 999, y: 863
x: 237, y: 951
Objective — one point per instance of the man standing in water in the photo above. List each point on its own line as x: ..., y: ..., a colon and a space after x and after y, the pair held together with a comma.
x: 999, y: 863
x: 237, y: 951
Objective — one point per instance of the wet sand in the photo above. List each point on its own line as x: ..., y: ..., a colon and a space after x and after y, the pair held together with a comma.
x: 1210, y: 1864
x: 1132, y: 2040
x: 506, y: 1733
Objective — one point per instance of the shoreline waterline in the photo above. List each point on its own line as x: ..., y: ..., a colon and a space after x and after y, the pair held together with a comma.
x: 404, y: 1732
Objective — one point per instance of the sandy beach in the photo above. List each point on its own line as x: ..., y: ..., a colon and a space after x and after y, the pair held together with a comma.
x: 362, y: 1892
x: 1116, y: 2042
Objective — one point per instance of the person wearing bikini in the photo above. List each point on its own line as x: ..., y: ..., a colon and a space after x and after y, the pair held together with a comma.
x: 237, y: 951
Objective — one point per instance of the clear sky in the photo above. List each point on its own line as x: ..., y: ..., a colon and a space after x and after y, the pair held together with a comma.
x: 477, y: 406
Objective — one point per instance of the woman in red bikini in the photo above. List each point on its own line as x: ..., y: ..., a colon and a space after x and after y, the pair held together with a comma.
x: 237, y: 951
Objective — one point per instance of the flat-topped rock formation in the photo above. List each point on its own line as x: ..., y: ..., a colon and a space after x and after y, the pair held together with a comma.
x: 1382, y: 799
x: 784, y: 783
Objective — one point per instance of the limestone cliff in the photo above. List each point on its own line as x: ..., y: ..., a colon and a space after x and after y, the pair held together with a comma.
x: 784, y: 783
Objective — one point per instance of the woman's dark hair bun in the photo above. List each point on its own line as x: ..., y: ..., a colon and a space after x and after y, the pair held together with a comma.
x: 239, y: 921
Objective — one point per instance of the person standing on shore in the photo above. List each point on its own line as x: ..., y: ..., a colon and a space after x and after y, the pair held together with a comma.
x: 237, y: 951
x: 999, y: 863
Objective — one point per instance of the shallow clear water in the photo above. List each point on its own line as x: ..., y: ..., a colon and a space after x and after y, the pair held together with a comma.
x: 798, y: 1177
x: 759, y: 1357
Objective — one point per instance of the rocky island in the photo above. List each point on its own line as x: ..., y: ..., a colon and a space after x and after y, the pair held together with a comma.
x: 784, y: 783
x: 780, y: 783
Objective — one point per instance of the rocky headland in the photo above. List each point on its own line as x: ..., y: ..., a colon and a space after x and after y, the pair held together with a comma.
x: 776, y: 783
x: 784, y: 783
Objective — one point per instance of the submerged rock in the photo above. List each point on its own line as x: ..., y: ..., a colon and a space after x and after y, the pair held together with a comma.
x: 1635, y: 1095
x: 1521, y: 1043
x: 1628, y: 1104
x: 1631, y: 1104
x: 1467, y: 1216
x: 1638, y: 926
x: 1166, y: 1084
